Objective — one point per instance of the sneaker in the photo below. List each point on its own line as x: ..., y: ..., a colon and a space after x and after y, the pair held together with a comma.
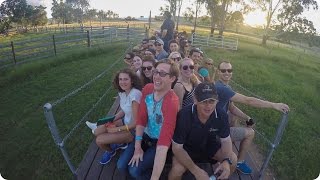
x: 106, y: 157
x: 115, y: 147
x: 243, y: 167
x: 92, y: 126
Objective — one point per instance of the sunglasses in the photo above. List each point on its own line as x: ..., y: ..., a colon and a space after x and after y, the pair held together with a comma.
x: 191, y: 67
x: 145, y: 68
x: 209, y: 64
x: 157, y: 44
x: 176, y: 58
x: 209, y: 101
x: 225, y: 70
x: 161, y: 73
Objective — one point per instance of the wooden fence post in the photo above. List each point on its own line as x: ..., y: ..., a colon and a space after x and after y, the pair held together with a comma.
x: 128, y: 34
x: 13, y: 53
x: 54, y: 45
x: 88, y: 38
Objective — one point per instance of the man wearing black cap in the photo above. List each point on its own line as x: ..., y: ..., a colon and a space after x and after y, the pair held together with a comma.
x: 202, y: 134
x: 167, y: 30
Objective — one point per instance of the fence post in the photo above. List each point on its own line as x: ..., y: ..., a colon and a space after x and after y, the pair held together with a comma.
x: 88, y: 38
x: 128, y: 34
x: 282, y: 125
x: 13, y: 53
x: 55, y: 134
x: 54, y: 45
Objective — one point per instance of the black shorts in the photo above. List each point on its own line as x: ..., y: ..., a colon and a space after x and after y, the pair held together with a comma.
x: 205, y: 155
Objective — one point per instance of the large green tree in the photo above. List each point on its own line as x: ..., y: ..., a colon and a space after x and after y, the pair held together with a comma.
x: 79, y: 6
x: 288, y: 9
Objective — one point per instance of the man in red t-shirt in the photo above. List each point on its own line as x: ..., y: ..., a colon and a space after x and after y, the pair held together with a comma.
x: 156, y: 122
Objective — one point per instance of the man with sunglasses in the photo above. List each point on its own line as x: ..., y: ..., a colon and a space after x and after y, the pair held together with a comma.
x: 202, y: 134
x: 155, y: 125
x: 160, y: 52
x: 227, y: 97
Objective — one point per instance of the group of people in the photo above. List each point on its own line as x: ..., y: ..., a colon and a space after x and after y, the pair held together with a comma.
x: 174, y: 104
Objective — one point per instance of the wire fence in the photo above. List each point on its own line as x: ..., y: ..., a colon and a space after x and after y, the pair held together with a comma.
x: 19, y: 52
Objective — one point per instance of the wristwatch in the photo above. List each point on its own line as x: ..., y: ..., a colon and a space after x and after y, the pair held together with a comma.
x: 228, y: 160
x: 119, y: 130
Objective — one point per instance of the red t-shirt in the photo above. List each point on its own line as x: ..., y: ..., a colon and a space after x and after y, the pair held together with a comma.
x: 170, y: 106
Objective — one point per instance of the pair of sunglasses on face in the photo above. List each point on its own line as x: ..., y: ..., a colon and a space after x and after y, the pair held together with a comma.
x: 146, y: 68
x: 157, y: 44
x: 161, y: 73
x: 226, y: 70
x: 176, y: 58
x: 186, y: 67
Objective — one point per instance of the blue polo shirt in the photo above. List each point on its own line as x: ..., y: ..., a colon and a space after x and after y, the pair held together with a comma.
x: 225, y: 93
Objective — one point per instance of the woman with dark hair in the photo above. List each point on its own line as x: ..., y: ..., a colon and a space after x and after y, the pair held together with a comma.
x: 137, y: 63
x: 173, y: 46
x: 111, y: 138
x: 148, y: 64
x: 184, y: 47
x: 128, y: 58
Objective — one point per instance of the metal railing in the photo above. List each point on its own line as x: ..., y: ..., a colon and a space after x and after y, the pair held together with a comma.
x: 19, y: 52
x: 217, y: 42
x: 51, y: 121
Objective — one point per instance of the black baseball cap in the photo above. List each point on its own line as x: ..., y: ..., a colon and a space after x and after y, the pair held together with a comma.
x: 205, y: 91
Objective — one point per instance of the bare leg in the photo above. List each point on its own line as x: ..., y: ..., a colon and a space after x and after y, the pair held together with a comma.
x: 220, y: 156
x: 177, y: 170
x: 245, y: 143
x: 105, y: 139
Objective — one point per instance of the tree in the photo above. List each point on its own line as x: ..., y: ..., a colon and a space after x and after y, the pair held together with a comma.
x: 211, y: 5
x: 91, y: 14
x: 17, y: 11
x: 39, y: 16
x: 236, y: 18
x: 101, y: 15
x: 288, y: 9
x: 189, y: 14
x: 80, y: 7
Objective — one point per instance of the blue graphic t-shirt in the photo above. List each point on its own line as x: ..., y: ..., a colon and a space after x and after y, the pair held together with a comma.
x: 155, y: 117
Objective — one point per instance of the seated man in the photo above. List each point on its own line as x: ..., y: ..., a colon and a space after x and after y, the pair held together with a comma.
x: 202, y: 134
x: 226, y: 99
x: 155, y: 126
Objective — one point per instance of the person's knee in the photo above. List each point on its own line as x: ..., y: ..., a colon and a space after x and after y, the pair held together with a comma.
x: 122, y: 166
x: 249, y: 133
x: 99, y: 140
x: 177, y: 171
x: 134, y: 172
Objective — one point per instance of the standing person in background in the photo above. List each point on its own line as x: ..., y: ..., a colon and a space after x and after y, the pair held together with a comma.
x: 167, y: 30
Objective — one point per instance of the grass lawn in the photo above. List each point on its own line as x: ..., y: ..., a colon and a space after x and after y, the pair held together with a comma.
x: 27, y: 148
x: 278, y: 74
x: 289, y: 76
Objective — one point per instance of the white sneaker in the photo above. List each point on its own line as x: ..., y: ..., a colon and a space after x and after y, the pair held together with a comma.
x: 92, y: 126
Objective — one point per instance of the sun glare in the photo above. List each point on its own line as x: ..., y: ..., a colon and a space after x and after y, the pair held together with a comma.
x: 255, y: 19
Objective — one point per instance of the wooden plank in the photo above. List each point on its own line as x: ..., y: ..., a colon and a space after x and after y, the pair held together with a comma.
x: 96, y: 167
x: 89, y: 166
x: 87, y: 161
x: 109, y: 169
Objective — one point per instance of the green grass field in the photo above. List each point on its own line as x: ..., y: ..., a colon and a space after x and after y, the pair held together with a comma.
x: 276, y: 73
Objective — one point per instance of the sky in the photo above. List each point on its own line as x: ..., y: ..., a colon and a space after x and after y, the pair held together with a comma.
x: 137, y: 8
